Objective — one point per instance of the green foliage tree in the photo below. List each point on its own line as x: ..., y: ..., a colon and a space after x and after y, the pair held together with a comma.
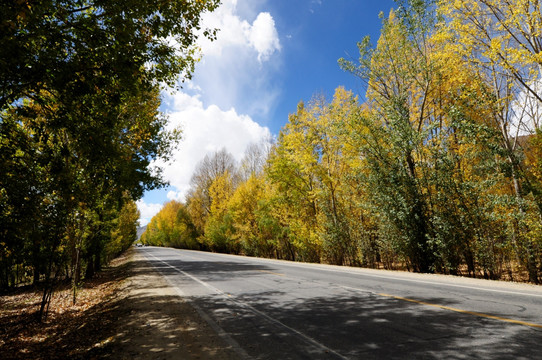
x: 79, y: 99
x: 399, y: 77
x: 78, y: 46
x: 501, y: 40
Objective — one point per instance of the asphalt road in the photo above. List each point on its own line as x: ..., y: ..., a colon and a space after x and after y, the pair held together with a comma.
x: 270, y: 309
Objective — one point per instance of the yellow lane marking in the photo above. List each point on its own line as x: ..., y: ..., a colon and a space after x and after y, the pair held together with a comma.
x: 270, y: 272
x: 519, y: 322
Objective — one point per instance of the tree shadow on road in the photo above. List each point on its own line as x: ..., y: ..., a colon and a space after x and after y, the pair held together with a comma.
x: 361, y: 325
x: 210, y: 270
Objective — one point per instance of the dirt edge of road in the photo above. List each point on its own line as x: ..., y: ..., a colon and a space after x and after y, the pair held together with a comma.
x: 159, y: 324
x: 128, y: 311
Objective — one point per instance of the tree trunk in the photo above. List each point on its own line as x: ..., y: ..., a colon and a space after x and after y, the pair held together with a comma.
x: 422, y: 260
x: 36, y: 275
x: 530, y: 262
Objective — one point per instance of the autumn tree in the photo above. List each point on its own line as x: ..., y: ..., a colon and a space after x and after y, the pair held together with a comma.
x: 313, y: 145
x: 255, y: 158
x: 296, y: 205
x: 501, y: 41
x: 399, y: 75
x: 219, y: 230
x: 413, y: 136
x: 124, y: 229
x: 172, y: 226
x: 231, y: 225
x: 199, y: 198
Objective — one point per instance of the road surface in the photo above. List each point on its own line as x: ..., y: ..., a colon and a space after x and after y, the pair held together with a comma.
x: 271, y: 309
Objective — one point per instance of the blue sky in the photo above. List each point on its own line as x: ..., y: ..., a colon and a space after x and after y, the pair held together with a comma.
x: 270, y: 54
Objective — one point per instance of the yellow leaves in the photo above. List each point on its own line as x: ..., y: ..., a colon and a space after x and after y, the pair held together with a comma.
x: 5, y: 251
x: 533, y: 157
x: 24, y: 9
x: 243, y: 205
x: 391, y: 59
x: 168, y: 214
x: 496, y: 46
x: 501, y: 32
x: 220, y: 192
x: 164, y: 220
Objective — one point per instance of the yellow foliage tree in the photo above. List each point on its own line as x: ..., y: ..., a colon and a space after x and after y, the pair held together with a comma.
x: 502, y: 40
x: 172, y: 226
x: 219, y: 231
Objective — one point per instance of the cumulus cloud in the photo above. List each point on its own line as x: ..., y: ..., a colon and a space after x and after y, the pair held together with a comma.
x: 261, y: 36
x: 205, y: 130
x: 147, y: 211
x: 238, y: 69
x: 233, y: 84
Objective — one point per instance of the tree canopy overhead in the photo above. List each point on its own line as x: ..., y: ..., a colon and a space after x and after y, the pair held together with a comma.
x: 80, y: 89
x: 83, y: 45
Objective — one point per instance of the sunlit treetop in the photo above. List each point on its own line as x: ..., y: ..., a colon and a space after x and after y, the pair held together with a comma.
x: 56, y: 44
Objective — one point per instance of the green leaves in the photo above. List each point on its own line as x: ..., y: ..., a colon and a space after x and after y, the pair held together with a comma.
x: 79, y: 98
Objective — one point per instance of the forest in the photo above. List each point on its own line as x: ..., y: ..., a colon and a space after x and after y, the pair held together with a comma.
x: 80, y: 85
x: 436, y: 168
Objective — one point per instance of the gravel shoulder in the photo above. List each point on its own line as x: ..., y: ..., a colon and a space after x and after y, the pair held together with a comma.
x: 128, y: 311
x: 156, y: 323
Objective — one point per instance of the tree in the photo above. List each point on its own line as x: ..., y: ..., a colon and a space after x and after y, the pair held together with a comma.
x: 19, y: 200
x: 400, y: 80
x: 314, y: 143
x: 124, y: 231
x: 243, y: 208
x: 173, y: 227
x: 219, y: 230
x: 295, y: 203
x: 80, y: 45
x: 502, y: 41
x: 207, y: 171
x: 80, y: 81
x: 254, y: 160
x: 414, y: 136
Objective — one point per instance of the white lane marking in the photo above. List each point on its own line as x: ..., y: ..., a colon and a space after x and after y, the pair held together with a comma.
x: 358, y: 289
x: 357, y: 272
x: 221, y: 332
x: 256, y: 311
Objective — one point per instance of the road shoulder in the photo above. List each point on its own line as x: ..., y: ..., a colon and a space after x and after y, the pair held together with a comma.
x: 155, y: 322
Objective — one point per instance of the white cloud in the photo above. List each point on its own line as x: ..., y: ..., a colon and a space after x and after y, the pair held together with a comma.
x: 237, y: 72
x: 239, y: 68
x: 147, y: 211
x: 261, y: 36
x: 264, y: 37
x: 205, y: 130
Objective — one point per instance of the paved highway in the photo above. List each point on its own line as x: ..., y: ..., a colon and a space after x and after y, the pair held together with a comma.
x: 271, y: 309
